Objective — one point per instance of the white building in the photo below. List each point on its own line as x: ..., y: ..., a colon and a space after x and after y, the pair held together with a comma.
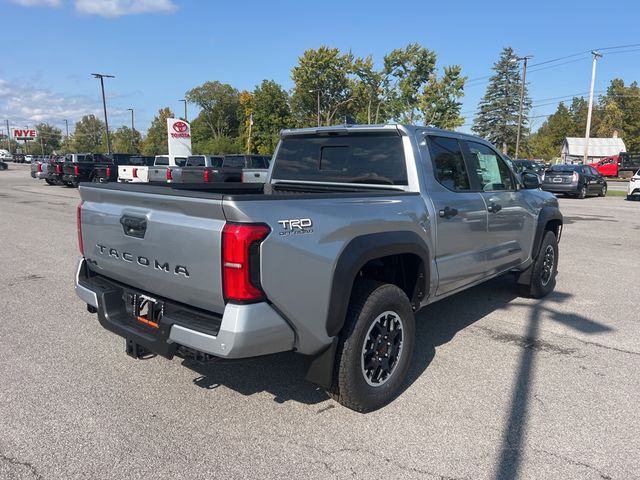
x: 573, y: 148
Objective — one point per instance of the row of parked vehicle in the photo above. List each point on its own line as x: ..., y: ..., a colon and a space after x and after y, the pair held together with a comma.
x: 73, y: 168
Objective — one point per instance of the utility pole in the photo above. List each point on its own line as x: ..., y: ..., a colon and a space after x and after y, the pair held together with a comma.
x: 133, y: 130
x: 185, y: 108
x: 249, y: 139
x: 596, y: 55
x: 66, y: 124
x: 104, y: 106
x: 8, y: 138
x: 524, y: 82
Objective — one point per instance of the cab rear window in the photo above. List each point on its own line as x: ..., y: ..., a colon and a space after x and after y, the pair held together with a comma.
x: 355, y: 158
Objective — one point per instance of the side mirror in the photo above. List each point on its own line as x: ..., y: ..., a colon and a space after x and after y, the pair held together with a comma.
x: 530, y: 180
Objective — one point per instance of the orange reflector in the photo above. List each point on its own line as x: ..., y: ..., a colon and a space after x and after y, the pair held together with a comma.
x: 148, y: 322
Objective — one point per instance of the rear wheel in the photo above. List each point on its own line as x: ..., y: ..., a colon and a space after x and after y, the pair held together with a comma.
x: 603, y: 191
x: 49, y: 182
x: 543, y: 272
x: 375, y: 347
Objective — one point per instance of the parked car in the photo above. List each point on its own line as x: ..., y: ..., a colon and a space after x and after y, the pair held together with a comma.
x: 633, y: 191
x: 27, y: 159
x: 5, y: 156
x: 80, y: 167
x: 257, y: 170
x: 107, y: 170
x: 622, y: 165
x: 136, y: 170
x: 53, y: 173
x: 162, y: 169
x: 205, y: 169
x: 18, y: 158
x: 358, y: 228
x: 577, y: 180
x: 3, y: 165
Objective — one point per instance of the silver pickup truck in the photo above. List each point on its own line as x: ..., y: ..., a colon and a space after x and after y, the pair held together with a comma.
x: 356, y: 229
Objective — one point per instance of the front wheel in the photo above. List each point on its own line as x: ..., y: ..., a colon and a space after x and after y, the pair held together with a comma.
x: 543, y: 270
x: 376, y: 347
x: 603, y: 191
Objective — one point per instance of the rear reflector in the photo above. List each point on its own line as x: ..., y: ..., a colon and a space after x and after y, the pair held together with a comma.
x: 80, y: 242
x: 241, y: 261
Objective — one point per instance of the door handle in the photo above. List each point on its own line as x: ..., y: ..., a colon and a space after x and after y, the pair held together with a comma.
x: 134, y: 226
x: 448, y: 212
x: 494, y: 207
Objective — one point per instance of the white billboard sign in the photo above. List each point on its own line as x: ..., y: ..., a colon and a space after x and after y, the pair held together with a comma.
x: 179, y: 133
x: 24, y: 133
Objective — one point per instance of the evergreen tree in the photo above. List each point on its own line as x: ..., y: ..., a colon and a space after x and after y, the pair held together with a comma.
x: 497, y: 118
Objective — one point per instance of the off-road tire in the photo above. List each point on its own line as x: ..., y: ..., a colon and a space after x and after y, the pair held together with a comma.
x: 539, y: 285
x: 370, y: 300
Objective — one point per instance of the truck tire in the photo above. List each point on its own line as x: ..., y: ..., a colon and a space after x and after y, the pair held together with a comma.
x: 375, y: 347
x: 544, y: 270
x: 49, y: 182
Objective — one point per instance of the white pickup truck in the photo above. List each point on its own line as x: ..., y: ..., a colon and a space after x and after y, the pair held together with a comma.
x: 162, y: 167
x: 137, y: 171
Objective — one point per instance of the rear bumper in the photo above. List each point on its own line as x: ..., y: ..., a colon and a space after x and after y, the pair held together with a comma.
x: 70, y: 178
x: 243, y: 330
x: 560, y: 187
x: 54, y: 177
x: 41, y: 175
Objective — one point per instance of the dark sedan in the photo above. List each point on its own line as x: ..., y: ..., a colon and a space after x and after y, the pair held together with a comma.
x: 521, y: 166
x: 576, y: 180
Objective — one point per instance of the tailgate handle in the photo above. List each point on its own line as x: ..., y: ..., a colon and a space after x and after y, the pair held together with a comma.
x: 134, y: 226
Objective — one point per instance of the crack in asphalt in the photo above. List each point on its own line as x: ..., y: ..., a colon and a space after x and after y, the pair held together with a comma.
x: 15, y: 461
x: 526, y: 342
x: 25, y: 278
x: 603, y: 475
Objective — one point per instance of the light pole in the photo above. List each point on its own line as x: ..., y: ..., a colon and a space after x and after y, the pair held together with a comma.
x: 104, y: 106
x: 8, y: 138
x: 524, y: 82
x: 66, y: 125
x: 318, y: 92
x: 133, y: 129
x: 596, y: 55
x: 185, y: 108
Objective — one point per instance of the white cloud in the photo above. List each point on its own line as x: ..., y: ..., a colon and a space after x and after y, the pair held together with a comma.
x: 118, y: 8
x: 38, y: 3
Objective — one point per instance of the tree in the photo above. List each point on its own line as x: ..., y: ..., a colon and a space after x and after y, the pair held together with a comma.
x: 49, y: 136
x: 126, y: 140
x: 220, y: 106
x: 271, y: 113
x: 367, y: 89
x: 621, y: 111
x: 323, y: 75
x: 406, y: 72
x: 497, y: 119
x: 547, y: 141
x: 157, y: 141
x: 440, y: 101
x: 88, y: 134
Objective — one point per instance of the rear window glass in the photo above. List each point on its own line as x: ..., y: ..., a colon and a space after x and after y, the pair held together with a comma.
x: 233, y: 162
x: 197, y: 161
x: 357, y: 158
x: 258, y: 162
x: 180, y: 161
x: 162, y: 160
x: 565, y: 168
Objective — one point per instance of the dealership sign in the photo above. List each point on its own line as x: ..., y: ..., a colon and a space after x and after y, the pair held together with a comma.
x: 179, y: 137
x: 24, y: 134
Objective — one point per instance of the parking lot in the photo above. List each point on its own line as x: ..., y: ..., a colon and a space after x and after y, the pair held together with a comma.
x: 500, y: 386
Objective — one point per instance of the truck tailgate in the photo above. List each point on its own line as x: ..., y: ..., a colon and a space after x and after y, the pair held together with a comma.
x: 172, y: 246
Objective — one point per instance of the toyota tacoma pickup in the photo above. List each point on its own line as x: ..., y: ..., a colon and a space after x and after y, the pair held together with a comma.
x: 356, y: 229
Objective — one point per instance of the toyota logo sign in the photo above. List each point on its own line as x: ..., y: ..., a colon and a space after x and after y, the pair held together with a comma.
x: 180, y: 127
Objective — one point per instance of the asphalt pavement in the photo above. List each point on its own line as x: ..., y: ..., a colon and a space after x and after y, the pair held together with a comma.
x: 501, y: 387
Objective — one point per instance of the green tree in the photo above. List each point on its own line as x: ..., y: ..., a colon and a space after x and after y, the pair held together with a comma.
x: 367, y: 89
x: 49, y: 136
x: 406, y: 73
x: 547, y: 141
x: 497, y: 117
x: 621, y: 111
x: 156, y: 142
x: 220, y: 106
x: 89, y: 134
x: 271, y: 113
x: 323, y: 75
x: 125, y: 140
x: 440, y: 101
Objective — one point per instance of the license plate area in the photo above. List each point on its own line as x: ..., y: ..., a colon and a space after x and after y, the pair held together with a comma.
x: 557, y: 180
x: 143, y: 308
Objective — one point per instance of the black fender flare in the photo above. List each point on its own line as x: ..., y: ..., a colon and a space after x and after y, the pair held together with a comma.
x: 355, y: 255
x: 546, y: 215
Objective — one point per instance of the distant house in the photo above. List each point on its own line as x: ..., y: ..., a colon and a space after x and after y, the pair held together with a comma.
x: 573, y: 148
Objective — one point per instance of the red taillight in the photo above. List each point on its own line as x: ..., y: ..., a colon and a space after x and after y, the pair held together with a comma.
x: 240, y: 261
x: 108, y: 172
x: 205, y: 175
x: 39, y: 168
x: 80, y: 243
x: 58, y: 169
x: 169, y: 174
x: 134, y: 172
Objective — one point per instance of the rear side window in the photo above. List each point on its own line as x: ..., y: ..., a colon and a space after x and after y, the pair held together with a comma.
x: 357, y: 158
x: 448, y: 163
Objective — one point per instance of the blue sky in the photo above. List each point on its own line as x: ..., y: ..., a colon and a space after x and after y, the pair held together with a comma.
x: 158, y: 49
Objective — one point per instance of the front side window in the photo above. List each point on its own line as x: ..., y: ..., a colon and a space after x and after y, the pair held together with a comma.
x: 492, y: 171
x: 448, y: 163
